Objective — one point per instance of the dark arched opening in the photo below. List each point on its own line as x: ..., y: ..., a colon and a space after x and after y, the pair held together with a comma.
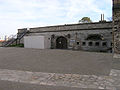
x: 61, y: 43
x: 94, y: 37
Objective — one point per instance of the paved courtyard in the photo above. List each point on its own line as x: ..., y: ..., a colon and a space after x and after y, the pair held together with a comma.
x: 34, y: 69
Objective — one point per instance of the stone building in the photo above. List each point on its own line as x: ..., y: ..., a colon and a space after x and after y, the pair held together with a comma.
x: 116, y: 26
x: 95, y: 36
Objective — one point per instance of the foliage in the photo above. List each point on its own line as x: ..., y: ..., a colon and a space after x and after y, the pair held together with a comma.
x: 18, y: 45
x: 85, y: 20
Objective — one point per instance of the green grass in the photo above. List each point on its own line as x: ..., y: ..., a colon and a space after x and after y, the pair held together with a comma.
x: 18, y: 45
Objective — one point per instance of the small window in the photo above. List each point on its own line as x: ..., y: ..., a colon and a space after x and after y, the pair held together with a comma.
x: 68, y: 36
x: 90, y: 43
x: 48, y: 38
x: 111, y: 44
x: 83, y: 43
x: 97, y: 44
x: 53, y: 36
x: 78, y: 43
x: 104, y: 44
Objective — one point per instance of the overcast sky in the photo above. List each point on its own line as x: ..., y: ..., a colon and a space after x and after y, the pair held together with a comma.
x: 16, y: 14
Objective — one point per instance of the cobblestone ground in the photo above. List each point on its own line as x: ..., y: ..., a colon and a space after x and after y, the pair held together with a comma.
x: 116, y: 56
x: 33, y: 69
x: 68, y: 80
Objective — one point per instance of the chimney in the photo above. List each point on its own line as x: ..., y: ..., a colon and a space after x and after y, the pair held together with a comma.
x: 101, y: 17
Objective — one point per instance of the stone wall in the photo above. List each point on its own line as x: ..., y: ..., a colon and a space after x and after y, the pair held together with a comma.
x: 73, y: 27
x: 116, y: 26
x: 80, y: 37
x: 76, y: 35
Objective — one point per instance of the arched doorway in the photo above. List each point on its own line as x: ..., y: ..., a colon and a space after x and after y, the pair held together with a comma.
x: 61, y: 43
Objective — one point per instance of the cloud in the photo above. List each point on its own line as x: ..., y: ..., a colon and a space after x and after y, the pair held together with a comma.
x: 88, y: 7
x: 16, y: 14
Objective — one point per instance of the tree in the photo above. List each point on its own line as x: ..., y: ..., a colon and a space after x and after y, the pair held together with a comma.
x: 85, y: 20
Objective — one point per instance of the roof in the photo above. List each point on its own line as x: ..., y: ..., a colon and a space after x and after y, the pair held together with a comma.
x: 74, y: 27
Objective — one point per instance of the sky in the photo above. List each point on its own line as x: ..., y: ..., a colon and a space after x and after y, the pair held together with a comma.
x: 16, y: 14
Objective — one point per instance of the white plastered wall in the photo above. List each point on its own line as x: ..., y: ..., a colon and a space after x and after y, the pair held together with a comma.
x: 38, y: 42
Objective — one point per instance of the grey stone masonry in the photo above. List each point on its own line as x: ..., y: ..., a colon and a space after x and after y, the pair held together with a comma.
x: 76, y: 35
x: 73, y: 27
x: 116, y: 26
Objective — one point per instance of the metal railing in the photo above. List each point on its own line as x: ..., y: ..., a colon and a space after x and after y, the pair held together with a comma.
x: 13, y: 38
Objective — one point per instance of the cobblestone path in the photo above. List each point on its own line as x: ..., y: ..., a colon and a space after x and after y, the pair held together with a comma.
x: 67, y: 80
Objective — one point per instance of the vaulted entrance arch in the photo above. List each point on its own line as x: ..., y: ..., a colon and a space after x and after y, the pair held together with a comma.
x: 61, y: 43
